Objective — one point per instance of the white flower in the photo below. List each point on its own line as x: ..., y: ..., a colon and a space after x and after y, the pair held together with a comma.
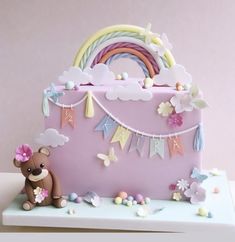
x: 182, y: 184
x: 182, y: 102
x: 37, y: 191
x: 39, y: 198
x: 165, y: 109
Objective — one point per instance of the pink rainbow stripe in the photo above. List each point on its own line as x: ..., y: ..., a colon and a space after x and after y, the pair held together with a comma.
x: 127, y: 45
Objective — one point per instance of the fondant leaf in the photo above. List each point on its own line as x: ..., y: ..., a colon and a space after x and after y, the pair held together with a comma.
x: 199, y: 103
x: 194, y: 91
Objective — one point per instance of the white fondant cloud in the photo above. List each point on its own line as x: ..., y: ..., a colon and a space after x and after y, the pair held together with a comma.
x: 51, y: 137
x: 171, y: 76
x: 76, y: 75
x: 101, y: 74
x: 98, y: 75
x: 132, y: 92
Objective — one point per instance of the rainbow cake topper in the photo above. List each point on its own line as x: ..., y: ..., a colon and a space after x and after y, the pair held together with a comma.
x: 126, y: 41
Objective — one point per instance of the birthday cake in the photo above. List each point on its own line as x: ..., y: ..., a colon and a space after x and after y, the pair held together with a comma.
x: 110, y: 135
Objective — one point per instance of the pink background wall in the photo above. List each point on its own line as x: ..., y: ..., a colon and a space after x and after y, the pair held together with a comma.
x: 39, y: 39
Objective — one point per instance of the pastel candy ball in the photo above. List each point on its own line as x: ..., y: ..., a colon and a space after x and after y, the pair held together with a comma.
x: 124, y: 201
x: 69, y: 85
x: 129, y: 203
x: 124, y: 75
x: 142, y: 202
x: 122, y: 195
x: 134, y: 202
x: 118, y: 200
x: 203, y: 212
x: 147, y: 200
x: 119, y: 77
x: 78, y: 200
x: 130, y: 198
x: 139, y: 198
x: 148, y: 82
x: 72, y: 196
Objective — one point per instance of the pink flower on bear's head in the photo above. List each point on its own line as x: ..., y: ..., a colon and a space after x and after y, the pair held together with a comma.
x: 23, y: 153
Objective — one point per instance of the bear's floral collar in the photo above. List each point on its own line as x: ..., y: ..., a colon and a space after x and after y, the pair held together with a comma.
x: 40, y: 194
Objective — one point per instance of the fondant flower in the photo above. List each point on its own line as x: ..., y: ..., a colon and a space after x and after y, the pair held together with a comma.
x: 176, y: 196
x: 182, y: 184
x: 165, y: 109
x: 172, y: 187
x: 174, y: 120
x: 23, y: 153
x: 39, y: 198
x: 182, y: 102
x: 44, y: 193
x: 195, y: 193
x: 37, y: 191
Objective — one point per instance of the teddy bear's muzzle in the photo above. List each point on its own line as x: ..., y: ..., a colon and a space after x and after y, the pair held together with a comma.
x: 37, y: 171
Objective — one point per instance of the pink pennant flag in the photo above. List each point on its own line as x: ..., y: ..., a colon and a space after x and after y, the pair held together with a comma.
x: 175, y: 146
x: 67, y: 117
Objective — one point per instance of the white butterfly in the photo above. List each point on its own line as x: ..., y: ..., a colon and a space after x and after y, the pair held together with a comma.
x: 166, y: 45
x: 111, y: 157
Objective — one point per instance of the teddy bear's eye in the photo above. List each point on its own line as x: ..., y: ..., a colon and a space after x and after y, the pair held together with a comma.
x: 42, y: 165
x: 29, y: 169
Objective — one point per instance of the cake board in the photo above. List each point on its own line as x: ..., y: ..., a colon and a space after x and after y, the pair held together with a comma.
x: 175, y: 217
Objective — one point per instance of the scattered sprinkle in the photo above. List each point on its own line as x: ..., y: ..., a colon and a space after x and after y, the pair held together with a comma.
x: 216, y: 190
x: 72, y: 196
x: 71, y: 211
x: 202, y: 212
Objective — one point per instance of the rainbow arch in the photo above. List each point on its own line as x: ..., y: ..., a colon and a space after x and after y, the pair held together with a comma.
x: 123, y: 41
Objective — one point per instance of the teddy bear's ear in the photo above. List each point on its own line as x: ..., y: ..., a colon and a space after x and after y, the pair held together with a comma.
x: 17, y: 163
x: 44, y: 151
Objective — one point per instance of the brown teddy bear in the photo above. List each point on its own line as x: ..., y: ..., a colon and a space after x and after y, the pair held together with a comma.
x: 41, y: 185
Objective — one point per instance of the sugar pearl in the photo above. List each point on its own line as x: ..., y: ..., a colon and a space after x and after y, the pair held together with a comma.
x: 124, y: 75
x: 78, y: 200
x: 124, y: 201
x: 72, y: 196
x: 69, y: 85
x: 119, y: 77
x: 142, y: 202
x: 216, y: 190
x: 118, y: 200
x: 147, y: 200
x: 203, y: 212
x: 130, y: 198
x: 134, y: 202
x: 129, y: 203
x: 122, y: 195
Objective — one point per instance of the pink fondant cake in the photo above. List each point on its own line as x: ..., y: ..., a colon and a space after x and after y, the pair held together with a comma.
x: 115, y: 133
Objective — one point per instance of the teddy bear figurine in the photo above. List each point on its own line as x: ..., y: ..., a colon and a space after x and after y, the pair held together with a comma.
x: 41, y: 185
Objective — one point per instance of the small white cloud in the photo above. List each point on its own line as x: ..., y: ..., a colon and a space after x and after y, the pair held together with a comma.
x: 76, y: 75
x: 132, y: 92
x: 51, y: 137
x: 171, y: 76
x: 101, y: 74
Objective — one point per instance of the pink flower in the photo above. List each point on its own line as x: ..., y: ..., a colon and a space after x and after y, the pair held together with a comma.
x: 23, y: 153
x: 172, y: 187
x: 174, y: 120
x: 44, y: 193
x: 195, y: 193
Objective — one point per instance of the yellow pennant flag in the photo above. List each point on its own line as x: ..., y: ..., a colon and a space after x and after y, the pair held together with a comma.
x: 121, y: 135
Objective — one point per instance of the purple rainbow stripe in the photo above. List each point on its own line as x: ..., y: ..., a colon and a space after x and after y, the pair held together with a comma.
x: 127, y: 45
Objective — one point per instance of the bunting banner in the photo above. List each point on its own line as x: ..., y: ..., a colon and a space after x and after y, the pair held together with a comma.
x: 67, y: 117
x: 175, y: 145
x: 156, y: 147
x: 137, y: 143
x: 121, y: 135
x: 107, y: 125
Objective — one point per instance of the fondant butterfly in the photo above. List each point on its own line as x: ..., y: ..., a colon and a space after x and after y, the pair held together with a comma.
x: 53, y: 93
x: 111, y: 157
x: 198, y: 176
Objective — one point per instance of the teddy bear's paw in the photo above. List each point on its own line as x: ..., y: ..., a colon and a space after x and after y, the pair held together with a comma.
x: 27, y: 206
x: 63, y: 203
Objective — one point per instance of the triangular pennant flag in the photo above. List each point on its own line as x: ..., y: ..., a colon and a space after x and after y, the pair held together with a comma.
x: 198, y: 141
x: 137, y: 143
x: 175, y: 145
x: 67, y: 117
x: 157, y: 146
x: 89, y: 109
x: 107, y: 125
x: 121, y: 135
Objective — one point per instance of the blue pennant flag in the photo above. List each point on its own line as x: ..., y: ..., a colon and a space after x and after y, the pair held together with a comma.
x: 107, y: 125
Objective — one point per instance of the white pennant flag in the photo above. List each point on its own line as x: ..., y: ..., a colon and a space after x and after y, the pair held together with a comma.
x: 156, y: 147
